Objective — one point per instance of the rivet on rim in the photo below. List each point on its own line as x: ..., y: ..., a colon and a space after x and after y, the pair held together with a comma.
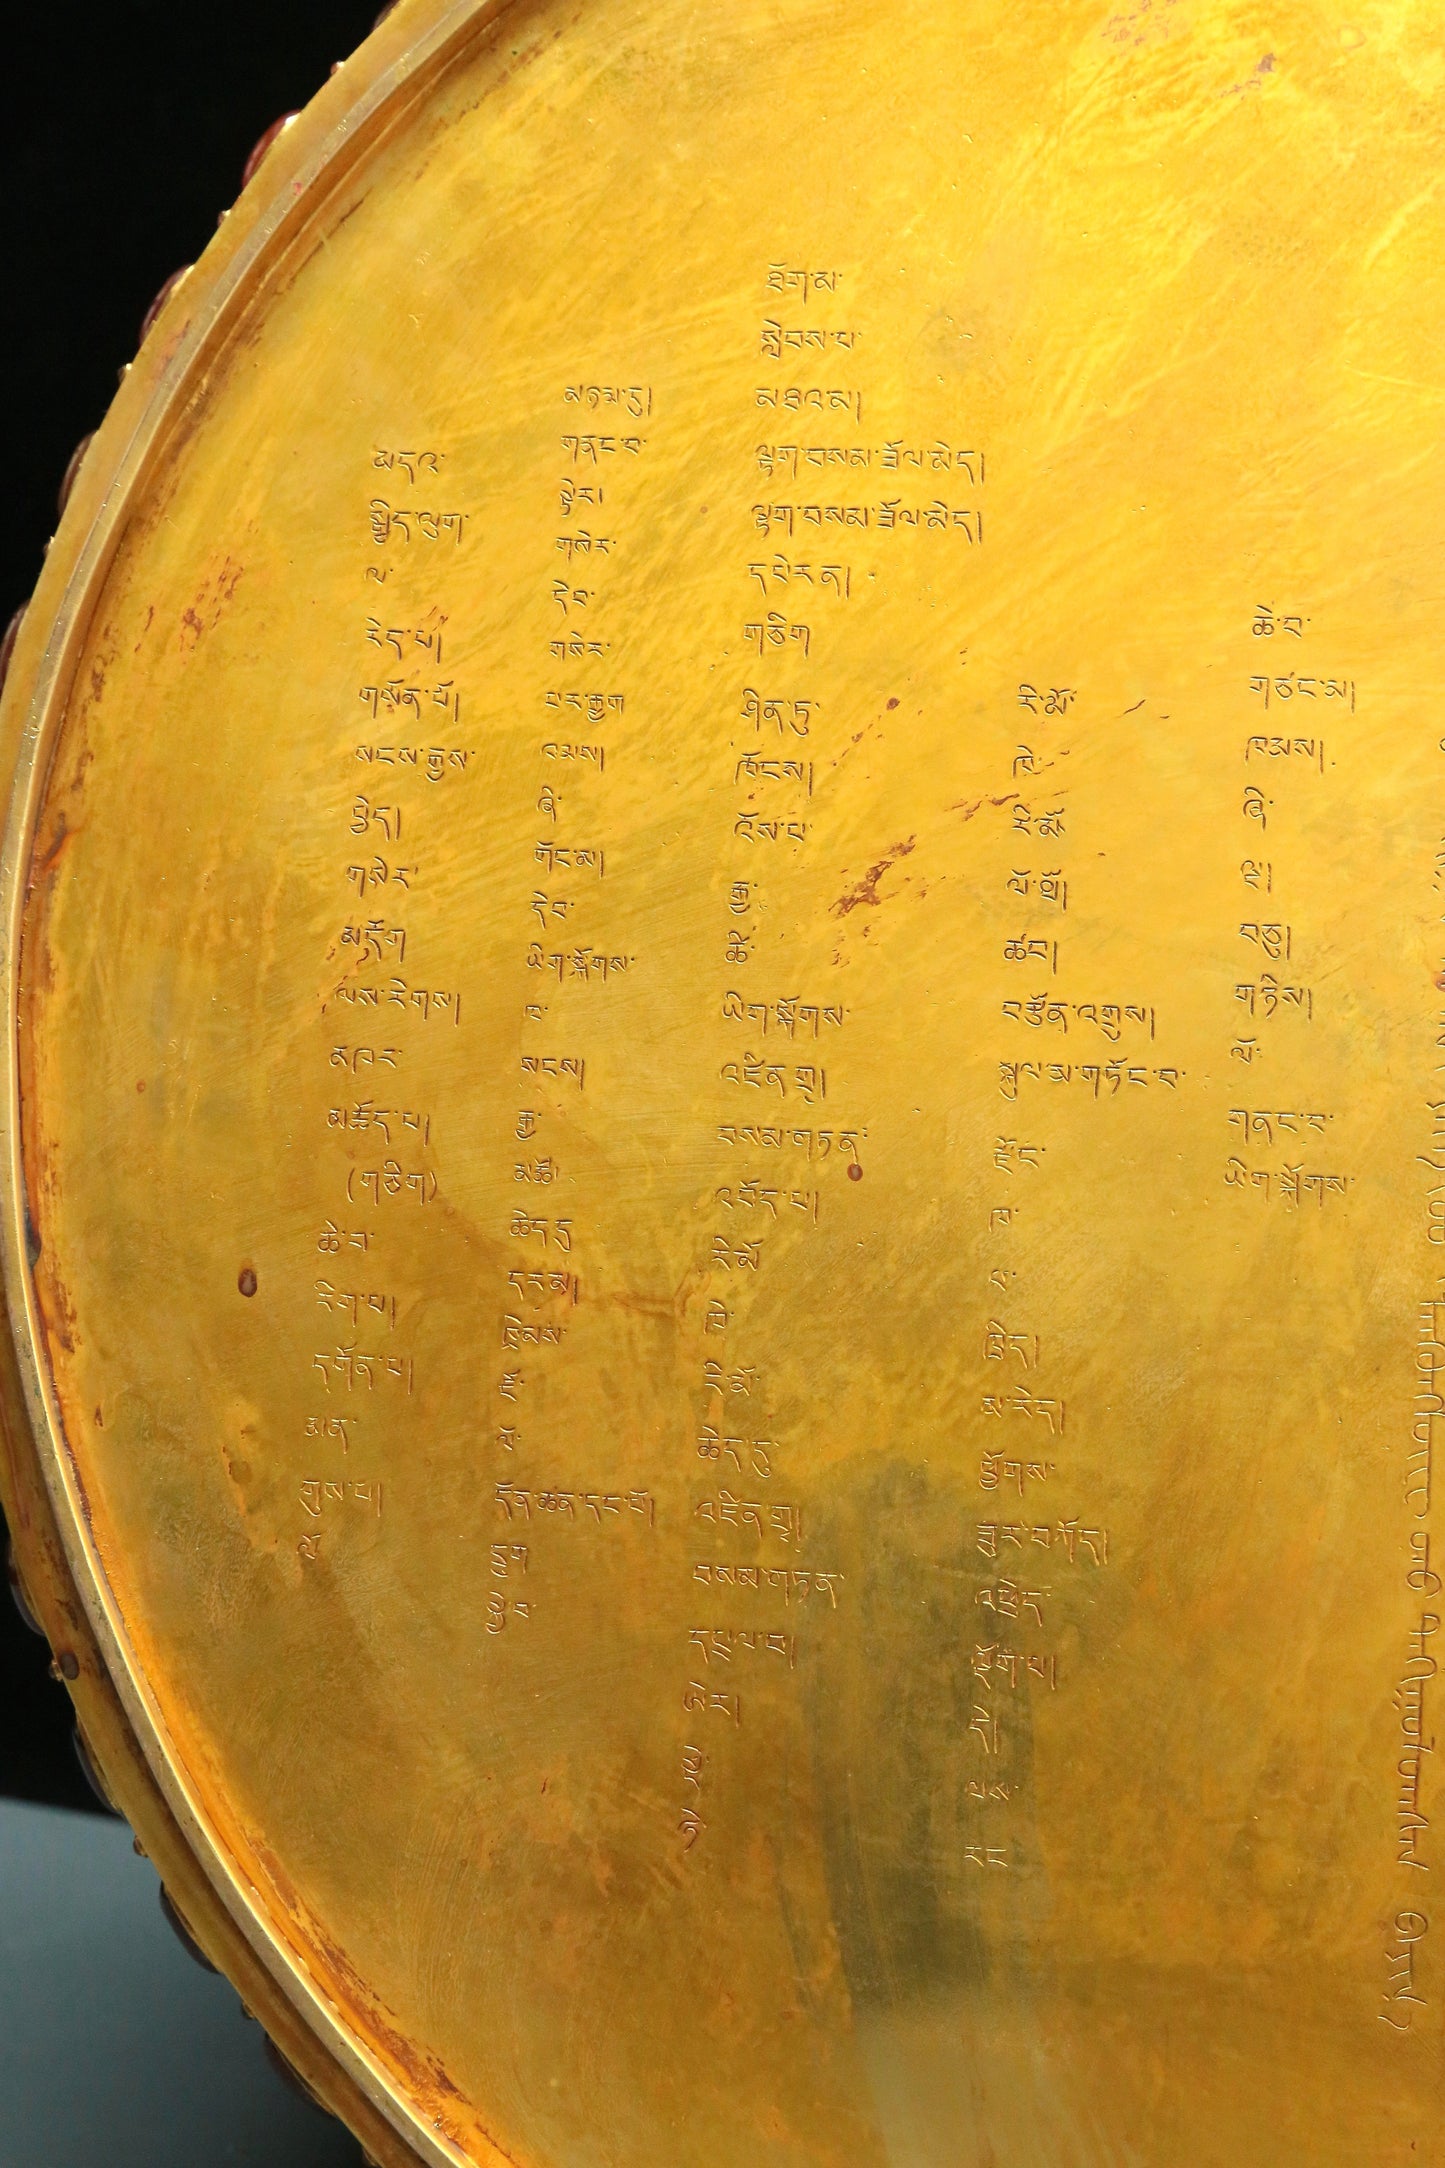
x: 68, y: 480
x: 176, y: 1923
x: 263, y: 144
x: 91, y: 1773
x: 286, y: 2070
x: 18, y: 1591
x: 7, y: 645
x: 160, y: 301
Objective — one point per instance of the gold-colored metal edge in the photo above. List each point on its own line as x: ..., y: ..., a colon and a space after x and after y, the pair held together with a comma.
x: 57, y: 1560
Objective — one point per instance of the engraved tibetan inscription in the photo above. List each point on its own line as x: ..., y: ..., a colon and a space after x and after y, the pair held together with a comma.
x: 733, y: 1123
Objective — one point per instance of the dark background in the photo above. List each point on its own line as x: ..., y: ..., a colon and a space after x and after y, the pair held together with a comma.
x: 125, y: 130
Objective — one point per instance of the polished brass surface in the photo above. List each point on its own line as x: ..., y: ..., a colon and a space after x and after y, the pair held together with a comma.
x: 726, y: 1190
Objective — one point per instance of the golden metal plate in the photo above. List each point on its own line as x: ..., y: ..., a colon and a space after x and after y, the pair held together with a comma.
x: 726, y: 1177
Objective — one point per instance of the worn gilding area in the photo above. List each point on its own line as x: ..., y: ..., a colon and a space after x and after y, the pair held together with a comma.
x: 728, y: 1024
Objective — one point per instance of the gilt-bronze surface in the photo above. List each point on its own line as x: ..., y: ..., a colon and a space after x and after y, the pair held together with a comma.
x: 725, y: 1176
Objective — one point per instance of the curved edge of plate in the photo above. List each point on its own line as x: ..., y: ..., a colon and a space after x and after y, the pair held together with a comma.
x: 54, y: 1551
